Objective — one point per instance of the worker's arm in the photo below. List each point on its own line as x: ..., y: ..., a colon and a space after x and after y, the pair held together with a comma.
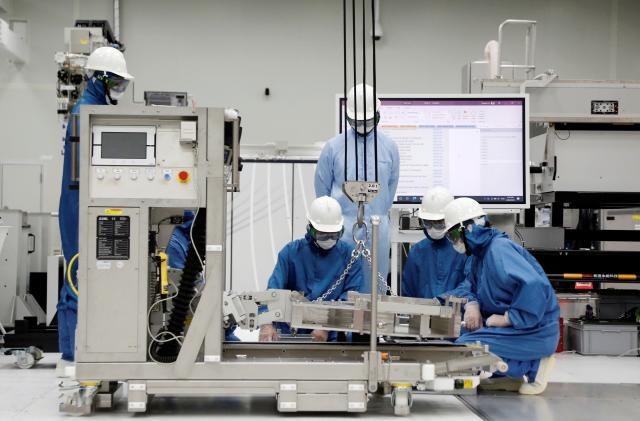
x: 410, y: 275
x: 279, y: 278
x: 466, y: 286
x: 324, y: 172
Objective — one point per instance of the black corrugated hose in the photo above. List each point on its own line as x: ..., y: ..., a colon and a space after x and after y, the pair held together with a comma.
x: 167, y: 352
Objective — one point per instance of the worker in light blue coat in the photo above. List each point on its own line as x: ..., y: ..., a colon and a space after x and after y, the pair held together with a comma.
x: 313, y: 264
x: 515, y: 311
x: 177, y: 250
x: 433, y: 268
x: 330, y: 172
x: 106, y: 83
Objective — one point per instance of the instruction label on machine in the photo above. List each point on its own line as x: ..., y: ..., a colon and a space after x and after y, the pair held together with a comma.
x: 113, y: 238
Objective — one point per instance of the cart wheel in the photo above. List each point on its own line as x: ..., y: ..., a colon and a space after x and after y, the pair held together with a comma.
x: 25, y: 359
x: 401, y: 400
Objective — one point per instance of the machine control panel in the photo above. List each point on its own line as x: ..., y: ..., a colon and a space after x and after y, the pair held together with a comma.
x: 149, y: 161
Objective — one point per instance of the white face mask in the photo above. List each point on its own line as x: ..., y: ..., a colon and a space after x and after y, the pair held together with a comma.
x: 459, y: 247
x: 436, y: 234
x: 116, y: 95
x: 326, y: 244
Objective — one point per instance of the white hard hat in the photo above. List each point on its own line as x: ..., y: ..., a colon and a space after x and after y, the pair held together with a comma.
x: 108, y: 59
x: 325, y: 214
x: 433, y: 203
x: 460, y: 210
x: 355, y: 98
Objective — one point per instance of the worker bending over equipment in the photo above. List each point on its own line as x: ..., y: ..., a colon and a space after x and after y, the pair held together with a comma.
x: 313, y: 265
x: 515, y: 311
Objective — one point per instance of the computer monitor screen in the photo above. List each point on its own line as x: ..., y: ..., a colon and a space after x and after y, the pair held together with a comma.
x: 475, y: 146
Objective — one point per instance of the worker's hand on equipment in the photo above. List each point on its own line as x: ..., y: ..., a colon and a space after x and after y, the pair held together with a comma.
x: 319, y: 335
x: 499, y: 320
x: 472, y: 317
x: 268, y: 333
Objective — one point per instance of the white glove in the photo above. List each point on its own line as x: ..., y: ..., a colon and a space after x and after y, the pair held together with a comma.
x: 268, y: 333
x: 319, y: 335
x: 472, y: 317
x: 498, y: 320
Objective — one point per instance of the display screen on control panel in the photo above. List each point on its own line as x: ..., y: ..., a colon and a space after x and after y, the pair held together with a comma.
x: 124, y: 145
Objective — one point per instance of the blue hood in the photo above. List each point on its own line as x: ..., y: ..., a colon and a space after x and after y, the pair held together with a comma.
x: 95, y: 93
x: 480, y: 237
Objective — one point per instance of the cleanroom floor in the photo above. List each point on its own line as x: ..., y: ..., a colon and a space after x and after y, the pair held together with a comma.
x: 582, y: 388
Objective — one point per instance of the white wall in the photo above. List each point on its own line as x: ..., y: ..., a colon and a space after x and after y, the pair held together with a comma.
x: 226, y: 52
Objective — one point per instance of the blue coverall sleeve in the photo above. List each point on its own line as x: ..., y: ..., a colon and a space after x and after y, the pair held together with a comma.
x: 395, y: 174
x: 410, y: 287
x: 354, y: 281
x: 324, y: 172
x: 530, y: 290
x: 279, y: 277
x: 466, y: 288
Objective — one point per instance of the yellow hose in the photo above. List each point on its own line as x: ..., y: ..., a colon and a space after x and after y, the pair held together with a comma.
x: 73, y: 287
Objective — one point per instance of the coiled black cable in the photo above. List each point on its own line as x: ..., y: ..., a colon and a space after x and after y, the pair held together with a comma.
x: 167, y: 352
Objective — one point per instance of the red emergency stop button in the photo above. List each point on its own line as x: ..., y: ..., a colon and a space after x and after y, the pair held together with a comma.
x: 183, y: 176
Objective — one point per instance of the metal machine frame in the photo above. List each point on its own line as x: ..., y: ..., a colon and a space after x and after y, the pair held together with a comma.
x: 314, y: 377
x: 587, y: 163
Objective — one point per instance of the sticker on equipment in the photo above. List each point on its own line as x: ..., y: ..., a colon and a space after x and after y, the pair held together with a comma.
x: 103, y: 265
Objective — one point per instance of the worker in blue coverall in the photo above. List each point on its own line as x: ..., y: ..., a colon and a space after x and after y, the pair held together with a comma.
x: 313, y: 264
x: 330, y: 175
x: 514, y: 299
x: 177, y: 250
x: 107, y: 83
x: 433, y: 268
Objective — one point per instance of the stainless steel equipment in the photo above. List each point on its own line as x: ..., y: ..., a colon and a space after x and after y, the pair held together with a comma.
x: 16, y: 302
x: 123, y: 334
x: 585, y: 136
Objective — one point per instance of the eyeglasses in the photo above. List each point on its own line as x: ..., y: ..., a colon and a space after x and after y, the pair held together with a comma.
x: 114, y: 82
x: 455, y: 234
x: 324, y: 236
x: 428, y: 224
x: 117, y: 85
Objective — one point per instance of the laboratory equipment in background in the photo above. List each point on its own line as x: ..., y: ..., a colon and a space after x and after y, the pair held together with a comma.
x: 165, y: 98
x: 30, y: 277
x: 80, y: 41
x: 145, y: 343
x: 16, y: 302
x: 268, y: 211
x: 585, y: 135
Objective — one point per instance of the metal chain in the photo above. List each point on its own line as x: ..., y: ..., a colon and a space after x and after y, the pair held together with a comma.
x: 382, y: 284
x: 358, y: 251
x: 355, y: 255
